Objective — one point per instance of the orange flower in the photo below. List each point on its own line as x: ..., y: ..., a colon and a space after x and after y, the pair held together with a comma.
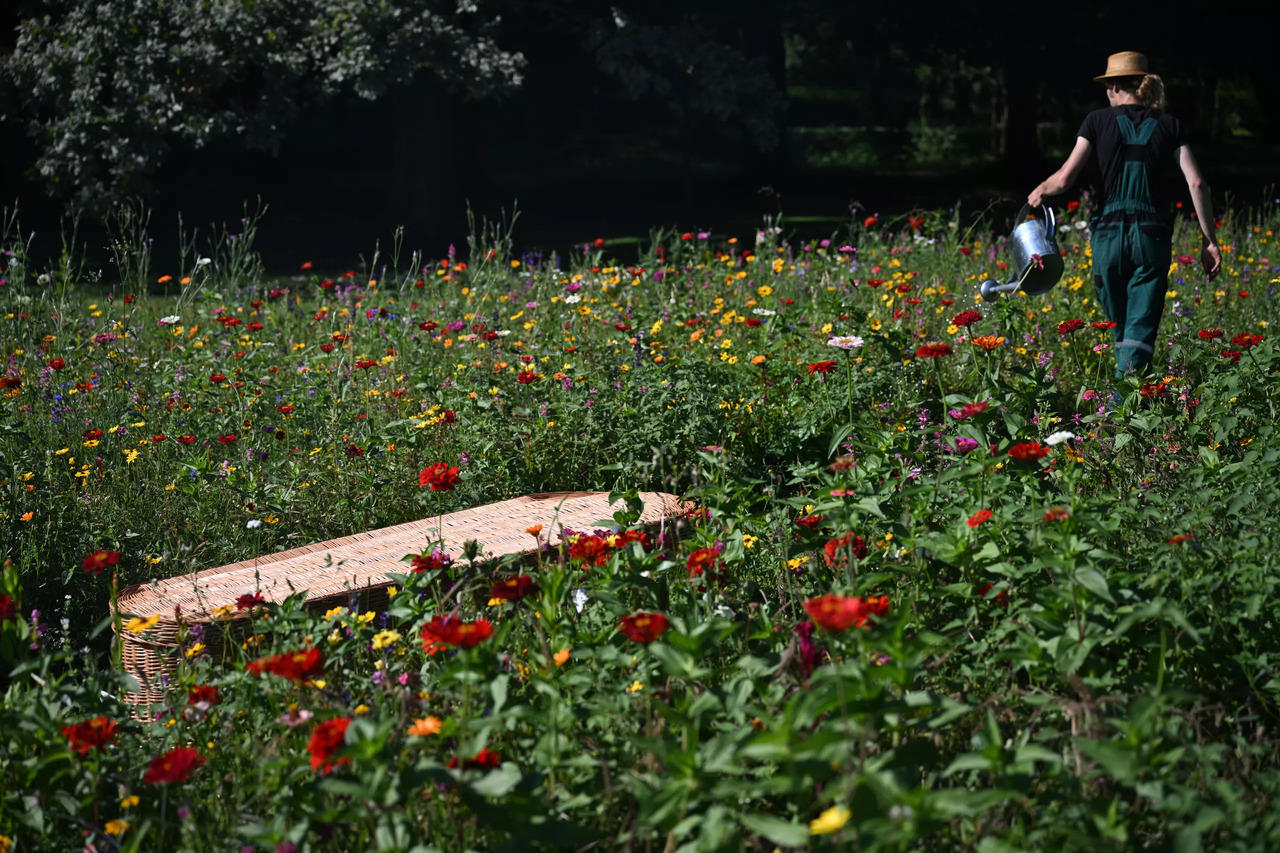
x: 534, y: 530
x: 988, y: 342
x: 186, y: 279
x: 561, y: 657
x: 425, y: 726
x: 164, y: 279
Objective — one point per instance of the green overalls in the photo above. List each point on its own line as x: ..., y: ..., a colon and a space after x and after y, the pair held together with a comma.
x: 1132, y: 249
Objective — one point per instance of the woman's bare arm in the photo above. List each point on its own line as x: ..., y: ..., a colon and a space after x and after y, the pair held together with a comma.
x: 1210, y: 254
x: 1066, y: 176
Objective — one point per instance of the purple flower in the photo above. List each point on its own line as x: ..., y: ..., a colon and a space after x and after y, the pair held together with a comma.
x: 964, y: 445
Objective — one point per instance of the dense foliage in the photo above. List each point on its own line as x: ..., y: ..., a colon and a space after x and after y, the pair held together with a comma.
x: 950, y: 586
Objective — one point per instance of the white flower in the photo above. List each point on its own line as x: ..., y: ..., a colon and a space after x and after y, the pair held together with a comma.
x: 254, y: 523
x: 845, y: 342
x: 204, y: 262
x: 1059, y: 437
x: 572, y: 298
x: 171, y: 320
x: 504, y: 332
x: 763, y: 312
x: 43, y: 279
x: 579, y: 599
x: 1081, y: 225
x: 725, y: 610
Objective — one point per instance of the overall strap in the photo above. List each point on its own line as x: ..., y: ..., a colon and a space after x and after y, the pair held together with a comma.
x: 1131, y: 193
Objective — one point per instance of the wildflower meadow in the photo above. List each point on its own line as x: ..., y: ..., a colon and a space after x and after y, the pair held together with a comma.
x: 943, y: 581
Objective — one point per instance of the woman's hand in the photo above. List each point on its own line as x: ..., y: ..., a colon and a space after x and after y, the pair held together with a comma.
x: 1036, y: 198
x: 1211, y: 260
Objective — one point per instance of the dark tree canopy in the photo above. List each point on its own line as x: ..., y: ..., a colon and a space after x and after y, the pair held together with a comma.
x: 108, y: 86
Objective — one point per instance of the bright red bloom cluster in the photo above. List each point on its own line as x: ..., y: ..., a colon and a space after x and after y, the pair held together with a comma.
x: 935, y: 350
x: 966, y: 318
x: 514, y: 589
x: 703, y: 561
x: 979, y: 517
x: 203, y: 693
x: 365, y: 365
x: 595, y: 548
x: 1209, y: 334
x: 57, y: 363
x: 1066, y: 327
x: 326, y: 739
x: 525, y: 377
x: 217, y: 378
x: 1028, y: 451
x: 836, y: 550
x: 643, y: 627
x: 1104, y: 325
x: 439, y: 477
x: 229, y: 438
x: 176, y: 765
x: 299, y: 666
x: 835, y: 613
x: 1232, y: 354
x: 8, y: 611
x: 821, y: 367
x: 97, y: 733
x: 1057, y: 513
x: 968, y: 410
x: 249, y: 599
x: 431, y: 562
x: 452, y: 631
x: 99, y: 560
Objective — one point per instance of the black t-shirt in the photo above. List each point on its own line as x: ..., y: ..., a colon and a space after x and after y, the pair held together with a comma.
x: 1160, y: 153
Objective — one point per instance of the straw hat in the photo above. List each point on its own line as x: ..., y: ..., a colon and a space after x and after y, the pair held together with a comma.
x: 1128, y: 63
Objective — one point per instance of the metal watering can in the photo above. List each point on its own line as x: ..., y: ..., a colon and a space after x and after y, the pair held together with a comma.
x: 1036, y: 257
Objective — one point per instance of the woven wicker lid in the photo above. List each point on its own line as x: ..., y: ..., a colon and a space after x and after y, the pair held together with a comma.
x: 367, y: 559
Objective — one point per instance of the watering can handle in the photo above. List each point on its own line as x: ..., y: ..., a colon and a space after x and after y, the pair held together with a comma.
x: 1049, y: 223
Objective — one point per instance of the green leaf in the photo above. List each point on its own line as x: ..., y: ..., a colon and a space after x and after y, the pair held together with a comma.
x: 779, y: 831
x: 498, y: 782
x: 1092, y: 580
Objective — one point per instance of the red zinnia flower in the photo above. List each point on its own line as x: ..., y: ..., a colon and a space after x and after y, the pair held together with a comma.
x: 835, y: 613
x: 299, y: 666
x: 527, y: 376
x: 1066, y: 327
x: 255, y: 326
x: 326, y: 739
x: 156, y: 439
x: 1057, y: 513
x: 248, y: 600
x: 454, y: 632
x: 99, y: 560
x: 57, y: 363
x: 1180, y: 538
x: 810, y: 521
x: 821, y: 367
x: 968, y: 410
x: 1028, y: 451
x: 176, y: 765
x: 1073, y: 205
x: 1234, y: 355
x: 97, y: 733
x: 353, y: 450
x: 869, y: 221
x: 1210, y: 334
x: 934, y: 350
x: 966, y: 318
x: 326, y: 348
x: 485, y: 759
x: 92, y: 434
x: 979, y: 517
x: 8, y: 611
x: 835, y: 550
x: 702, y: 560
x: 643, y: 627
x: 966, y: 250
x: 591, y: 549
x: 1104, y: 325
x: 440, y: 477
x: 186, y: 439
x: 1246, y: 340
x: 215, y: 378
x: 229, y: 438
x: 431, y: 562
x: 514, y: 589
x: 285, y: 409
x: 203, y: 693
x: 366, y: 364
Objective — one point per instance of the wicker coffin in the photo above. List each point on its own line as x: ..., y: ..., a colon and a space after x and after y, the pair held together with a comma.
x: 332, y: 572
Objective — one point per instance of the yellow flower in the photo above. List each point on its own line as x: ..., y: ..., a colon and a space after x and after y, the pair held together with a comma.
x: 636, y: 687
x: 318, y: 683
x: 138, y: 625
x: 129, y: 801
x: 391, y: 591
x: 425, y: 726
x: 832, y: 820
x: 116, y: 827
x: 360, y: 710
x: 795, y: 563
x: 561, y: 657
x: 93, y: 442
x: 195, y: 649
x: 130, y: 456
x: 383, y: 639
x: 223, y: 611
x: 335, y: 637
x: 334, y: 613
x: 365, y: 618
x: 748, y: 540
x: 764, y: 290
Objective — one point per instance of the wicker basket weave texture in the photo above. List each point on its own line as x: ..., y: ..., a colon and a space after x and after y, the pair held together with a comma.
x: 332, y: 571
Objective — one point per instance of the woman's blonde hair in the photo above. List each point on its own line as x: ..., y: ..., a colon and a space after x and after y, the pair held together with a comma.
x: 1147, y: 88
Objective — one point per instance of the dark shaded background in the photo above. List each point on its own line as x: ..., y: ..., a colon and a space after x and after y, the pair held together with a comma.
x: 889, y: 108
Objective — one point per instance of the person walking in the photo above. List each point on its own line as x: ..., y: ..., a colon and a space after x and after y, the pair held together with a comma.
x: 1138, y: 147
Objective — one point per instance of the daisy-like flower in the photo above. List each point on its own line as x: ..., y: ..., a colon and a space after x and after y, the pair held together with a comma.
x: 171, y: 320
x: 572, y: 298
x: 845, y: 342
x: 1059, y: 437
